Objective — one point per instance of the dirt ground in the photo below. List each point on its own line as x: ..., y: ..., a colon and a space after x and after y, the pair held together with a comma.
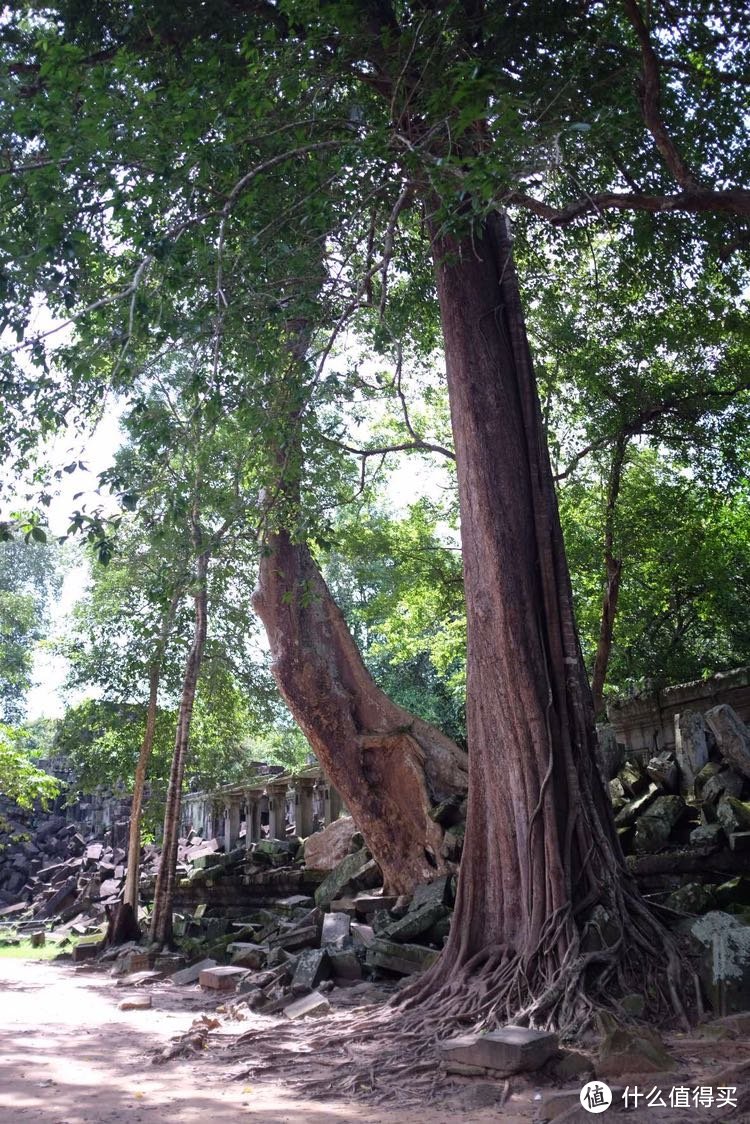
x: 68, y: 1055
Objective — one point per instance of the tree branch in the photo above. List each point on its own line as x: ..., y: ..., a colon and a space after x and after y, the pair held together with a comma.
x: 735, y: 201
x: 650, y: 93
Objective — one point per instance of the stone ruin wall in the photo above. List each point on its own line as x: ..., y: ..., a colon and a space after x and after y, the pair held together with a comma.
x: 645, y: 724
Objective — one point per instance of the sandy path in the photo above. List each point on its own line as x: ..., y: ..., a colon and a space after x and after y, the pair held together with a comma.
x: 69, y: 1056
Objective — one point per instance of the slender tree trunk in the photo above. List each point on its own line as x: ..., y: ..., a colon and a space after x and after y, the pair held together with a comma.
x: 541, y: 848
x: 389, y: 766
x: 612, y: 572
x: 124, y: 926
x: 161, y: 919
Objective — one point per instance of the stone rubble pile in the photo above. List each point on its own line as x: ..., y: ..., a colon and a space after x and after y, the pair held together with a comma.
x: 683, y: 818
x: 696, y: 796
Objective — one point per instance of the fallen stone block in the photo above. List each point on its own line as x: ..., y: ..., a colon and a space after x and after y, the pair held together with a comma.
x: 135, y: 1003
x: 707, y: 834
x: 341, y: 876
x: 325, y: 849
x: 191, y: 974
x: 247, y: 955
x: 724, y: 968
x: 336, y: 930
x: 365, y: 904
x: 313, y: 966
x: 136, y: 979
x: 654, y: 827
x: 514, y: 1049
x: 362, y: 935
x: 437, y: 892
x: 630, y: 812
x: 86, y: 949
x: 740, y: 841
x: 415, y: 924
x: 223, y: 978
x: 732, y: 737
x: 38, y: 940
x: 663, y: 771
x: 404, y: 959
x: 715, y: 783
x: 691, y: 747
x: 309, y: 1006
x: 303, y: 936
x: 345, y: 963
x: 16, y: 907
x: 733, y: 815
x: 137, y: 960
x: 624, y: 1051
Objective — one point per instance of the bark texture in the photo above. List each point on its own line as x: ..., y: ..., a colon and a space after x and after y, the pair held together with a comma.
x: 161, y: 919
x: 389, y: 766
x: 541, y: 848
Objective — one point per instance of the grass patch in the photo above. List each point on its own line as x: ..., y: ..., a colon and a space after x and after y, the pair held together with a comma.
x: 24, y: 951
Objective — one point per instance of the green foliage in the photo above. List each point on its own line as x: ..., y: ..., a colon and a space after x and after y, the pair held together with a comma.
x: 686, y: 578
x: 20, y: 779
x: 30, y: 577
x: 399, y: 583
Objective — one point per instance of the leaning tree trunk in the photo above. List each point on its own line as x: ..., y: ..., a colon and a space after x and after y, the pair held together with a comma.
x: 612, y: 574
x: 389, y: 766
x: 161, y: 919
x: 124, y: 925
x: 124, y: 922
x: 541, y: 850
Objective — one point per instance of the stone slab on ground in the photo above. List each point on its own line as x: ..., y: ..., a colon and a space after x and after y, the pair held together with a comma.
x: 513, y: 1049
x: 222, y: 978
x: 135, y: 979
x: 86, y: 949
x: 191, y: 974
x: 135, y: 1003
x: 404, y: 959
x: 309, y: 1006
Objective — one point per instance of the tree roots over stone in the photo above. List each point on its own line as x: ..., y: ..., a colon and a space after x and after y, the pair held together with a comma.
x: 390, y: 1054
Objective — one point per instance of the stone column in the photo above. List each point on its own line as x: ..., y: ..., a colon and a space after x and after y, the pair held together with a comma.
x: 277, y: 813
x: 231, y: 823
x: 332, y: 804
x: 254, y: 820
x: 303, y: 808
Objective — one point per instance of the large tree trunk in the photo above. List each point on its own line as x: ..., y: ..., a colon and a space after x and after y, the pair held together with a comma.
x: 612, y: 573
x: 388, y: 765
x: 161, y: 919
x: 541, y: 848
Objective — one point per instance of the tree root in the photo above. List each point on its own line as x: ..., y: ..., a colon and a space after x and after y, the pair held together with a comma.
x: 396, y: 1051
